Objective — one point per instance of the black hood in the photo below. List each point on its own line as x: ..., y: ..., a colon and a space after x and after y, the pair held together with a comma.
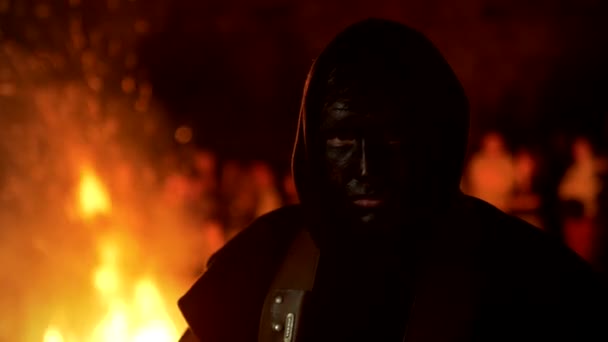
x: 437, y: 124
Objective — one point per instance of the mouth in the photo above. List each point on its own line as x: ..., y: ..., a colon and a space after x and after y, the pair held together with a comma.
x: 368, y: 201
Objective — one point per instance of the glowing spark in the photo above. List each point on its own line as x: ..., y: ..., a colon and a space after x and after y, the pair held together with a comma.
x: 183, y: 134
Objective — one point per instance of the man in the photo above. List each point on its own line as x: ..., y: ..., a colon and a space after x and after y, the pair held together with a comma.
x: 384, y: 246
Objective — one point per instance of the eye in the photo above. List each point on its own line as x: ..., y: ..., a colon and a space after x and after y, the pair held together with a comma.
x: 340, y: 142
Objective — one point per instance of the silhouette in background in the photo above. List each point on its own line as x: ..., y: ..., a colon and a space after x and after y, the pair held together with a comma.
x: 490, y: 175
x: 579, y: 193
x: 581, y: 182
x: 525, y: 202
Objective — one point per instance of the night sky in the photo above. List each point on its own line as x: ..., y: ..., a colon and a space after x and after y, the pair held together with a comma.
x: 234, y: 70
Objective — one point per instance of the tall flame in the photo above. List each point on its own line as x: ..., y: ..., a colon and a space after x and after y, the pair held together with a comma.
x: 93, y: 198
x: 134, y: 310
x: 90, y: 248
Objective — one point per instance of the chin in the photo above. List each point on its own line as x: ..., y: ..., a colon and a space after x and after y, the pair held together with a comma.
x: 368, y: 219
x: 376, y: 221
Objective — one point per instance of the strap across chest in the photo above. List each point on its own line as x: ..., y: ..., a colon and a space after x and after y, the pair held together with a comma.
x: 282, y: 311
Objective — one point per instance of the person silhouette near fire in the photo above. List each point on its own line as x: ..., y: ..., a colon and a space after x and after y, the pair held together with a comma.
x: 383, y: 245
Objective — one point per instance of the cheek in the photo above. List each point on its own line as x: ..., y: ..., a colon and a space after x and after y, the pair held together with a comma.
x: 339, y: 163
x: 397, y: 166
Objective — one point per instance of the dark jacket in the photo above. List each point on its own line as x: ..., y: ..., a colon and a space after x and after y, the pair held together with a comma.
x: 506, y: 281
x: 477, y: 275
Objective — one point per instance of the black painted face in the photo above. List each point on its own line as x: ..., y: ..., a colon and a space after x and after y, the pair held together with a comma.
x: 363, y: 161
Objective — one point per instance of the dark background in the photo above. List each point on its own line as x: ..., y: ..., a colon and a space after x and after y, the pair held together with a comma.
x: 234, y: 70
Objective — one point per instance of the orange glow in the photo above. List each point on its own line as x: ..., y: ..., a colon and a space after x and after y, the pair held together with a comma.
x: 93, y: 197
x: 53, y: 335
x: 134, y: 308
x: 183, y: 134
x: 93, y: 248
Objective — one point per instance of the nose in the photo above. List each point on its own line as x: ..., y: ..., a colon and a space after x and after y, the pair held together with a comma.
x: 363, y: 165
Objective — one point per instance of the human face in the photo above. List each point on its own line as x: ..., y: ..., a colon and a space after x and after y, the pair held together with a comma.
x: 363, y: 161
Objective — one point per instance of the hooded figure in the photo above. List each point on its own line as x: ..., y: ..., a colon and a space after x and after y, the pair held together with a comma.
x: 384, y: 246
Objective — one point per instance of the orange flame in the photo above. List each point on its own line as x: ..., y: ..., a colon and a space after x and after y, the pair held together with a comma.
x: 134, y: 311
x: 93, y: 198
x: 53, y: 335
